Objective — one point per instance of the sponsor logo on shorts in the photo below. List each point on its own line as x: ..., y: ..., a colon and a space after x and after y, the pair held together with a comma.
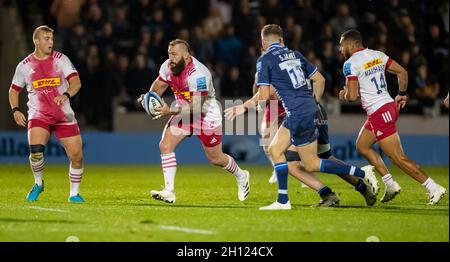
x: 373, y: 63
x: 56, y: 81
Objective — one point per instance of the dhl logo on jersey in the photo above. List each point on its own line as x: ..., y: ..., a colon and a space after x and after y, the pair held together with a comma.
x: 186, y: 94
x: 56, y: 81
x: 373, y: 63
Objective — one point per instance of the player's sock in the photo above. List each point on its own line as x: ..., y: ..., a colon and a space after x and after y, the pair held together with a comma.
x: 37, y: 162
x: 282, y: 174
x: 429, y: 184
x: 233, y: 168
x: 169, y: 167
x: 388, y: 180
x: 324, y: 191
x: 361, y: 187
x: 75, y: 175
x: 37, y: 168
x: 333, y: 167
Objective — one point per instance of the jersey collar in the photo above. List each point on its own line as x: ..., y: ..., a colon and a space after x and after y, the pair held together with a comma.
x: 274, y: 45
x: 359, y: 49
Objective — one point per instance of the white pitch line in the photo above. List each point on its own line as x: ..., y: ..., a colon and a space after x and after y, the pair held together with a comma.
x: 188, y: 230
x: 49, y: 209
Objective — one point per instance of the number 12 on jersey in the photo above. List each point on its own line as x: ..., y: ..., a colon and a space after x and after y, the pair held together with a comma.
x: 382, y: 84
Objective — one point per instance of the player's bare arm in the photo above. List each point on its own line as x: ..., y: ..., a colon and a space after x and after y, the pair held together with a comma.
x: 350, y: 92
x: 232, y: 112
x: 402, y: 78
x: 264, y: 93
x: 74, y: 88
x: 446, y: 101
x: 19, y: 117
x: 158, y: 87
x: 191, y: 108
x: 318, y: 85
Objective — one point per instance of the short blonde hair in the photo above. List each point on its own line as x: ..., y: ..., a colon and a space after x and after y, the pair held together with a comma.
x: 44, y: 28
x: 272, y: 29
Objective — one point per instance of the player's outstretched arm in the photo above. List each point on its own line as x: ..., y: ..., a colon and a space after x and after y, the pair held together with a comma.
x: 232, y: 112
x: 264, y: 93
x: 402, y: 78
x: 19, y: 117
x: 318, y: 85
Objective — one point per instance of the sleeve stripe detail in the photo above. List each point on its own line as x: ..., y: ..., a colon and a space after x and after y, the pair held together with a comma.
x: 16, y: 87
x: 163, y: 80
x: 71, y: 75
x: 388, y: 63
x: 352, y: 78
x: 262, y: 84
x: 313, y: 72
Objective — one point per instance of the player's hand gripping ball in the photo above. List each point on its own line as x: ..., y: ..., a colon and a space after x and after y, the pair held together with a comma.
x: 150, y: 102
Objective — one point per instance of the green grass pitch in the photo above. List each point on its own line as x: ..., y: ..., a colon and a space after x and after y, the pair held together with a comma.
x: 118, y: 208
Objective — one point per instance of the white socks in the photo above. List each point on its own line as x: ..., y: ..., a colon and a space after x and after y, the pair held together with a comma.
x: 37, y: 168
x: 233, y: 168
x: 388, y: 180
x: 430, y: 184
x: 169, y: 167
x: 75, y: 176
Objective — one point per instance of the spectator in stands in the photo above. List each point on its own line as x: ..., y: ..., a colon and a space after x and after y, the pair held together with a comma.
x: 225, y: 35
x: 213, y: 24
x: 77, y: 44
x: 233, y: 86
x: 94, y: 20
x: 229, y: 47
x: 427, y: 90
x: 140, y: 77
x: 67, y: 14
x: 123, y: 31
x: 201, y: 45
x: 343, y: 20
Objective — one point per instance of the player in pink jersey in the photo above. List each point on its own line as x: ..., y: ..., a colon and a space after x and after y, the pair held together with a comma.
x: 50, y: 80
x: 365, y: 77
x: 196, y: 113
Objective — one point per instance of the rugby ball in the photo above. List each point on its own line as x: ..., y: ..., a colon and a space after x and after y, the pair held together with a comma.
x: 151, y: 101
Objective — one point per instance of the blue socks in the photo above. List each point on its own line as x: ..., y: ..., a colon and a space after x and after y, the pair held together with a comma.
x: 282, y: 174
x: 332, y: 167
x: 361, y: 187
x: 324, y: 191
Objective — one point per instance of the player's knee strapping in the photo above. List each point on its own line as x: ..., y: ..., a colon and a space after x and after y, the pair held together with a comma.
x: 325, y: 155
x: 324, y: 151
x: 37, y: 152
x: 292, y: 156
